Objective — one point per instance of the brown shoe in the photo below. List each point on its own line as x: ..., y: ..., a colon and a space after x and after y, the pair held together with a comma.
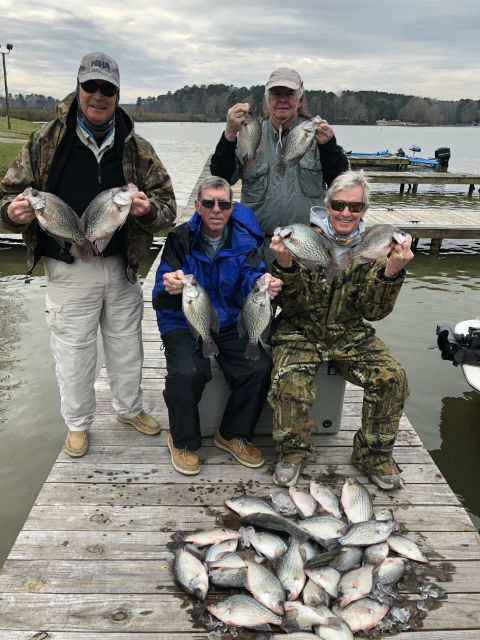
x: 76, y: 444
x: 241, y: 449
x: 183, y: 460
x: 143, y: 423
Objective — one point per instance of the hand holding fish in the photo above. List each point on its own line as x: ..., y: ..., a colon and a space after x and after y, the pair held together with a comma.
x: 324, y: 132
x: 274, y: 285
x: 173, y: 282
x: 400, y: 255
x: 20, y: 211
x: 281, y: 253
x: 140, y: 205
x: 235, y: 118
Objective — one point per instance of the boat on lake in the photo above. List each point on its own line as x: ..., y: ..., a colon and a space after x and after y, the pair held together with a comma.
x: 400, y: 159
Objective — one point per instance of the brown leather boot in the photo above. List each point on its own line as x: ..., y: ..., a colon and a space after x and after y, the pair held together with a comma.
x: 144, y: 423
x: 241, y: 449
x: 76, y: 444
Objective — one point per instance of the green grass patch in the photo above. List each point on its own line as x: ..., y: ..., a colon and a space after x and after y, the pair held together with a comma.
x: 8, y: 152
x: 17, y: 126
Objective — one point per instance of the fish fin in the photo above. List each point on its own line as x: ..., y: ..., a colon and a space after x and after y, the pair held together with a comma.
x: 101, y: 243
x: 242, y: 329
x: 332, y: 270
x: 195, y: 333
x: 309, y: 264
x: 84, y: 252
x: 252, y: 351
x: 209, y: 348
x: 262, y: 627
x: 344, y: 260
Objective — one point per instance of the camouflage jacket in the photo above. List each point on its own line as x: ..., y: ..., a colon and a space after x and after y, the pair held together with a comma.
x: 140, y: 163
x: 322, y: 312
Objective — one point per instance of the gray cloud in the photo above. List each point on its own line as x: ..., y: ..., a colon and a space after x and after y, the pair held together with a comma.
x: 414, y: 47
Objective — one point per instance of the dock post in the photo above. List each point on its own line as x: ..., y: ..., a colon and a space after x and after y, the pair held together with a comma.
x: 402, y: 188
x: 471, y: 189
x: 414, y: 189
x: 435, y: 245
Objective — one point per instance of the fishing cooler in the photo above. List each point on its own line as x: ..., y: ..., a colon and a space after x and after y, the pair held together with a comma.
x: 326, y: 411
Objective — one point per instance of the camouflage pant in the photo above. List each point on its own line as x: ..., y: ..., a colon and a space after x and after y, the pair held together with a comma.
x: 363, y: 361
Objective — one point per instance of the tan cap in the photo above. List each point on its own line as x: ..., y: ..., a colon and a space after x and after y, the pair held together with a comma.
x: 284, y: 77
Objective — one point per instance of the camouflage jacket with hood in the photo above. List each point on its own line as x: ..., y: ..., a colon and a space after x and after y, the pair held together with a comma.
x: 334, y: 313
x: 140, y: 165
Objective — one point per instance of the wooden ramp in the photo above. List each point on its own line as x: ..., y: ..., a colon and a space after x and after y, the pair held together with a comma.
x: 414, y: 178
x: 91, y: 561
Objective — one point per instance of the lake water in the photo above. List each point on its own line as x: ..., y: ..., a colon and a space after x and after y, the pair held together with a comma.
x: 441, y: 289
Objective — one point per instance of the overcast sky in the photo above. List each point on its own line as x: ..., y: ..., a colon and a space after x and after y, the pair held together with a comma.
x: 427, y: 48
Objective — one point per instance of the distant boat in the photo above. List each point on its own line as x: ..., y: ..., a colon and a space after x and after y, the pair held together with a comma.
x: 442, y: 156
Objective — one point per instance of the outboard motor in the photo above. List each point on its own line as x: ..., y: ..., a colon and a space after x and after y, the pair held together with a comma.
x: 442, y: 156
x: 458, y: 347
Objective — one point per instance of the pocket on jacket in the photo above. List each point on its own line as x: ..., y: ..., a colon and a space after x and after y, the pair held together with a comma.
x: 254, y: 185
x: 310, y: 177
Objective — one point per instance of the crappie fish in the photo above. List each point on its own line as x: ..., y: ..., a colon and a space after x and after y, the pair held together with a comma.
x: 322, y: 528
x: 298, y: 142
x: 355, y: 584
x: 244, y: 611
x: 376, y: 242
x: 362, y: 614
x: 308, y: 247
x: 217, y: 550
x: 325, y: 498
x: 60, y: 221
x: 301, y: 616
x: 289, y: 569
x: 200, y: 314
x: 375, y: 554
x: 191, y: 574
x: 363, y: 534
x: 202, y: 538
x: 254, y: 318
x: 325, y: 577
x: 314, y: 595
x: 228, y: 577
x: 250, y: 138
x: 334, y: 629
x: 348, y: 558
x: 304, y: 502
x: 268, y: 544
x: 406, y: 548
x: 265, y: 587
x: 230, y: 560
x: 274, y: 522
x: 106, y: 213
x: 244, y: 505
x: 356, y: 501
x: 391, y: 570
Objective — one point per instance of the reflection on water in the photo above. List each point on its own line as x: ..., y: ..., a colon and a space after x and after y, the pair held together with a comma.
x: 460, y: 438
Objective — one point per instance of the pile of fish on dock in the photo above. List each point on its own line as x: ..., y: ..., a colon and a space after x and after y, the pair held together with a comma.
x: 336, y: 572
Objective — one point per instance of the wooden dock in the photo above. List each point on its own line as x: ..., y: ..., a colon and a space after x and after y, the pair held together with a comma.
x: 414, y: 178
x: 91, y: 560
x: 361, y: 162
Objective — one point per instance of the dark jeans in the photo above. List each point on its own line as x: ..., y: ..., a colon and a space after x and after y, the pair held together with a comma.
x: 188, y: 372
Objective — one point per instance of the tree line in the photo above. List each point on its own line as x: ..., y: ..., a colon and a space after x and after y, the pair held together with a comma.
x: 346, y: 107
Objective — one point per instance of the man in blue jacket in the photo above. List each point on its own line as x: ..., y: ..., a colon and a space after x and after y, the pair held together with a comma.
x: 218, y: 245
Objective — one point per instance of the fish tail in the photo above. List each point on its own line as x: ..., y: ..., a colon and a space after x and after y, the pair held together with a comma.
x: 332, y: 270
x: 209, y: 348
x: 252, y: 351
x: 251, y: 164
x: 280, y: 169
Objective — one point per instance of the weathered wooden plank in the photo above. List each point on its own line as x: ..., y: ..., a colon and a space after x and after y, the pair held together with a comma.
x: 155, y: 576
x: 111, y: 472
x: 141, y: 494
x: 420, y: 518
x: 142, y: 545
x: 148, y: 613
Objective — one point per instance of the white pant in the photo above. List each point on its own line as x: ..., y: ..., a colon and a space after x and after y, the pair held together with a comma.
x: 81, y: 297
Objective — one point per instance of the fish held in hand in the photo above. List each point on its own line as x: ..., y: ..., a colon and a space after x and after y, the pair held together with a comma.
x: 309, y: 247
x: 200, y: 315
x: 377, y: 242
x: 60, y: 221
x: 254, y: 318
x: 250, y: 138
x: 298, y: 141
x: 106, y: 213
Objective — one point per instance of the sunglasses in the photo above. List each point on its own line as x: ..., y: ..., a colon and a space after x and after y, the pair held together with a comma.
x: 354, y: 207
x: 91, y: 86
x: 223, y: 205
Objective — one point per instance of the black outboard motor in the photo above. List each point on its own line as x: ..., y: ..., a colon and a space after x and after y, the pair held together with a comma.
x: 442, y: 156
x: 458, y: 347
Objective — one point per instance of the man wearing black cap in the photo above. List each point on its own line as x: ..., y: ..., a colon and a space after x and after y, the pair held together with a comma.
x: 91, y: 147
x: 278, y: 199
